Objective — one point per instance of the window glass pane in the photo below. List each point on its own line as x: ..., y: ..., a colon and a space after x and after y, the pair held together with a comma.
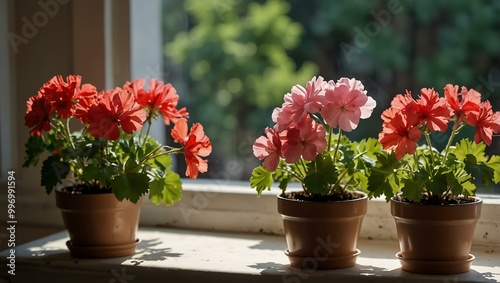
x: 233, y: 60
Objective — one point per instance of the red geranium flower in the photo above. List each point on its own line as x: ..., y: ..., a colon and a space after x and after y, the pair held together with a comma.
x: 486, y: 122
x: 462, y: 103
x: 61, y: 94
x: 38, y: 110
x: 163, y: 98
x: 86, y: 97
x: 433, y: 110
x: 195, y: 144
x: 399, y: 133
x: 116, y: 108
x: 134, y: 86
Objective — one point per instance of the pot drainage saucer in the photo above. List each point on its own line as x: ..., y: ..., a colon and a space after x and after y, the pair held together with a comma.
x: 102, y: 251
x: 313, y: 263
x: 435, y: 267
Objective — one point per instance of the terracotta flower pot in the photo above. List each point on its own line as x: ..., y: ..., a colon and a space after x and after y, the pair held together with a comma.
x: 322, y: 235
x: 99, y: 225
x: 435, y: 239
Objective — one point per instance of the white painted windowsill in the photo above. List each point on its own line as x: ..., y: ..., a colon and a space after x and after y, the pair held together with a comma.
x: 177, y: 255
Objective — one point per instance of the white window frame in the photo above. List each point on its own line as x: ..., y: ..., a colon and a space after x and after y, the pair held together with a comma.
x: 220, y: 205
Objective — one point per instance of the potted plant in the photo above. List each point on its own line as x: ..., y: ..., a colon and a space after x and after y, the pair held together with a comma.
x: 431, y: 191
x: 109, y: 162
x: 307, y: 144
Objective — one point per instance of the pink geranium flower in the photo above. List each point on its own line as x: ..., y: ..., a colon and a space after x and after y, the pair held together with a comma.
x: 305, y: 139
x: 301, y: 102
x: 305, y: 145
x: 268, y: 148
x: 347, y: 103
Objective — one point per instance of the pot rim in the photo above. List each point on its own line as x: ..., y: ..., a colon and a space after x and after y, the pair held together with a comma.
x: 477, y: 199
x: 364, y: 196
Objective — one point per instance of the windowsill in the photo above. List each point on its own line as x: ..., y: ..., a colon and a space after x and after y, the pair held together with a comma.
x: 228, y: 206
x: 194, y: 256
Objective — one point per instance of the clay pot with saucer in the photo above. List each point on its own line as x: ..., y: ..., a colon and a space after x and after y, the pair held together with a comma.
x: 322, y: 235
x: 436, y: 239
x: 99, y: 226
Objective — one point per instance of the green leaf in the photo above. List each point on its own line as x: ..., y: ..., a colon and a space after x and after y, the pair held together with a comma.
x: 283, y: 178
x: 459, y: 183
x: 413, y: 189
x: 494, y: 163
x: 465, y: 147
x: 261, y: 179
x: 358, y: 180
x: 93, y: 172
x: 369, y: 147
x: 167, y: 190
x: 53, y: 172
x: 131, y: 166
x: 454, y: 184
x: 130, y: 186
x: 164, y: 162
x: 438, y: 184
x: 347, y: 160
x: 321, y: 174
x: 475, y: 169
x: 384, y: 179
x: 33, y: 148
x: 469, y: 189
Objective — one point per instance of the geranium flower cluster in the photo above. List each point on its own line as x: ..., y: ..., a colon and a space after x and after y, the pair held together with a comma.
x: 304, y: 124
x: 422, y: 173
x: 113, y: 116
x: 407, y: 118
x: 299, y: 130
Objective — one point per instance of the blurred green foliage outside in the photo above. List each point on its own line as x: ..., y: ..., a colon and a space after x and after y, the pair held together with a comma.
x: 233, y: 60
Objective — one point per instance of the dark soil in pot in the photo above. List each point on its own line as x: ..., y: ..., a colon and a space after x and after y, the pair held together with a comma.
x: 336, y: 196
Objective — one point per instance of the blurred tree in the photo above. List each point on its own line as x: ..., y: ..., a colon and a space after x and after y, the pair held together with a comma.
x: 242, y: 56
x: 236, y: 55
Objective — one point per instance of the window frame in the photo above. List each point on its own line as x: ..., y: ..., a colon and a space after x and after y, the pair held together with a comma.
x: 219, y: 205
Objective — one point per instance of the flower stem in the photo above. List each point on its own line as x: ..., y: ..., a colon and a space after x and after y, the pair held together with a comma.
x: 429, y: 144
x: 454, y: 131
x: 148, y: 129
x: 330, y: 133
x: 68, y: 134
x: 338, y: 180
x: 304, y: 171
x: 337, y: 146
